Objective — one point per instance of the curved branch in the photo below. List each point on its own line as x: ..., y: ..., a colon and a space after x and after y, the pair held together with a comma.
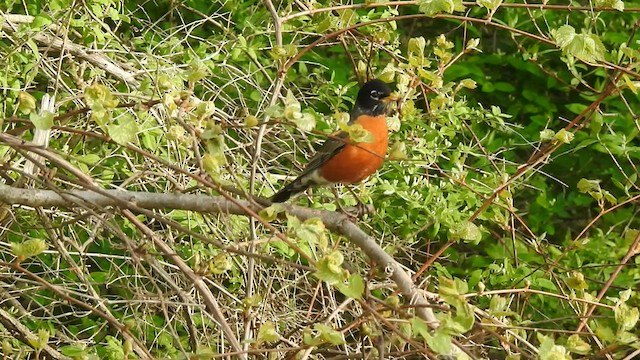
x: 204, y: 203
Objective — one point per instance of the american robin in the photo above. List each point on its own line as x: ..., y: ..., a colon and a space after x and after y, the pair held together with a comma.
x: 340, y: 160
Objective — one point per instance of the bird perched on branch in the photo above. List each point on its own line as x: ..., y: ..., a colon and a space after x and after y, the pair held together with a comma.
x: 341, y: 160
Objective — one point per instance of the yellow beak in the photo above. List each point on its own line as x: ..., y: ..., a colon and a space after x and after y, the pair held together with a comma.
x: 390, y: 98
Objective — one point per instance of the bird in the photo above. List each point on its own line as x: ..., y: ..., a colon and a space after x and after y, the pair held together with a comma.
x: 342, y: 161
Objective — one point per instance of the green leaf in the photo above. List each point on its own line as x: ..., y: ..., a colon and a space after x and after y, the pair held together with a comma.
x: 74, y: 351
x: 490, y: 4
x: 354, y: 288
x: 576, y: 281
x: 313, y: 232
x: 125, y: 131
x: 7, y: 348
x: 29, y: 248
x: 448, y: 287
x: 586, y: 186
x: 468, y: 83
x: 40, y: 21
x: 27, y: 102
x: 625, y: 295
x: 42, y: 120
x: 564, y: 35
x: 615, y: 4
x: 306, y: 122
x: 625, y: 337
x: 547, y: 134
x: 358, y: 134
x: 418, y: 326
x: 545, y: 284
x: 267, y: 334
x: 415, y: 50
x: 548, y: 350
x: 40, y: 341
x: 282, y: 248
x: 576, y: 345
x: 466, y: 231
x: 440, y: 342
x: 626, y: 317
x: 98, y: 97
x: 113, y: 349
x: 330, y: 269
x: 604, y: 333
x: 90, y: 159
x: 251, y: 121
x: 433, y: 7
x: 586, y: 47
x: 211, y: 165
x: 564, y: 136
x: 398, y: 151
x: 462, y: 321
x: 292, y: 108
x: 497, y: 304
x: 283, y: 52
x: 271, y: 213
x: 197, y: 71
x: 322, y: 334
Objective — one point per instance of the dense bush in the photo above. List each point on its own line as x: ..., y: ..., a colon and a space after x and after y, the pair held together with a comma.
x: 510, y: 191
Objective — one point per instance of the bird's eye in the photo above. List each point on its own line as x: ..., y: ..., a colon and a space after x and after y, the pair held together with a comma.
x: 375, y: 94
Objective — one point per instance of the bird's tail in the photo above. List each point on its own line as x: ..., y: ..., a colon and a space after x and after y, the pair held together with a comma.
x: 293, y: 188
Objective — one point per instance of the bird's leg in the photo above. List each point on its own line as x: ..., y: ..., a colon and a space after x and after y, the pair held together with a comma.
x: 358, y: 211
x: 343, y: 210
x: 361, y: 208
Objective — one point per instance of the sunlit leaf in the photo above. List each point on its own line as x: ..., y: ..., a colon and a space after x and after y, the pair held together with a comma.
x: 576, y: 345
x: 353, y: 288
x: 27, y: 102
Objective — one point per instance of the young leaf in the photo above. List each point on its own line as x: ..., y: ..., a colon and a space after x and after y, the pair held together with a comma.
x: 550, y: 351
x: 626, y: 316
x: 29, y: 248
x: 98, y: 97
x: 358, y: 134
x: 124, y: 132
x: 267, y: 334
x: 586, y: 47
x: 490, y: 4
x: 330, y: 270
x: 271, y: 213
x: 547, y: 134
x: 42, y: 121
x: 576, y: 345
x: 576, y: 281
x: 322, y: 334
x: 440, y: 342
x: 313, y: 232
x: 615, y: 4
x: 588, y: 186
x: 354, y: 288
x: 466, y: 231
x: 564, y: 136
x: 27, y: 102
x: 433, y: 7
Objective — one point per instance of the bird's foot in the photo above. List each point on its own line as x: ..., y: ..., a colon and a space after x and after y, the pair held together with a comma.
x: 358, y: 211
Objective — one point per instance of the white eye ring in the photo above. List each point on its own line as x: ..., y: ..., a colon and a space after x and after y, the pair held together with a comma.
x: 375, y: 94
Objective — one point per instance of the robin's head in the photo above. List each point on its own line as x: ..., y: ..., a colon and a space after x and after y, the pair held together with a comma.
x: 373, y: 97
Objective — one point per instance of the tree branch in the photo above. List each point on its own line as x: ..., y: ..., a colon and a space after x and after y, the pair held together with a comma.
x: 206, y: 204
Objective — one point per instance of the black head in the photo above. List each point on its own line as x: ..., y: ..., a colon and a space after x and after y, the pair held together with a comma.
x: 373, y: 97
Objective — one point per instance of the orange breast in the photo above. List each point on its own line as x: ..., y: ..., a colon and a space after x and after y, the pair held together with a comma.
x: 357, y: 161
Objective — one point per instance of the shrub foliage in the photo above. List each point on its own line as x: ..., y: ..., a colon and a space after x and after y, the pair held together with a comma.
x: 139, y: 139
